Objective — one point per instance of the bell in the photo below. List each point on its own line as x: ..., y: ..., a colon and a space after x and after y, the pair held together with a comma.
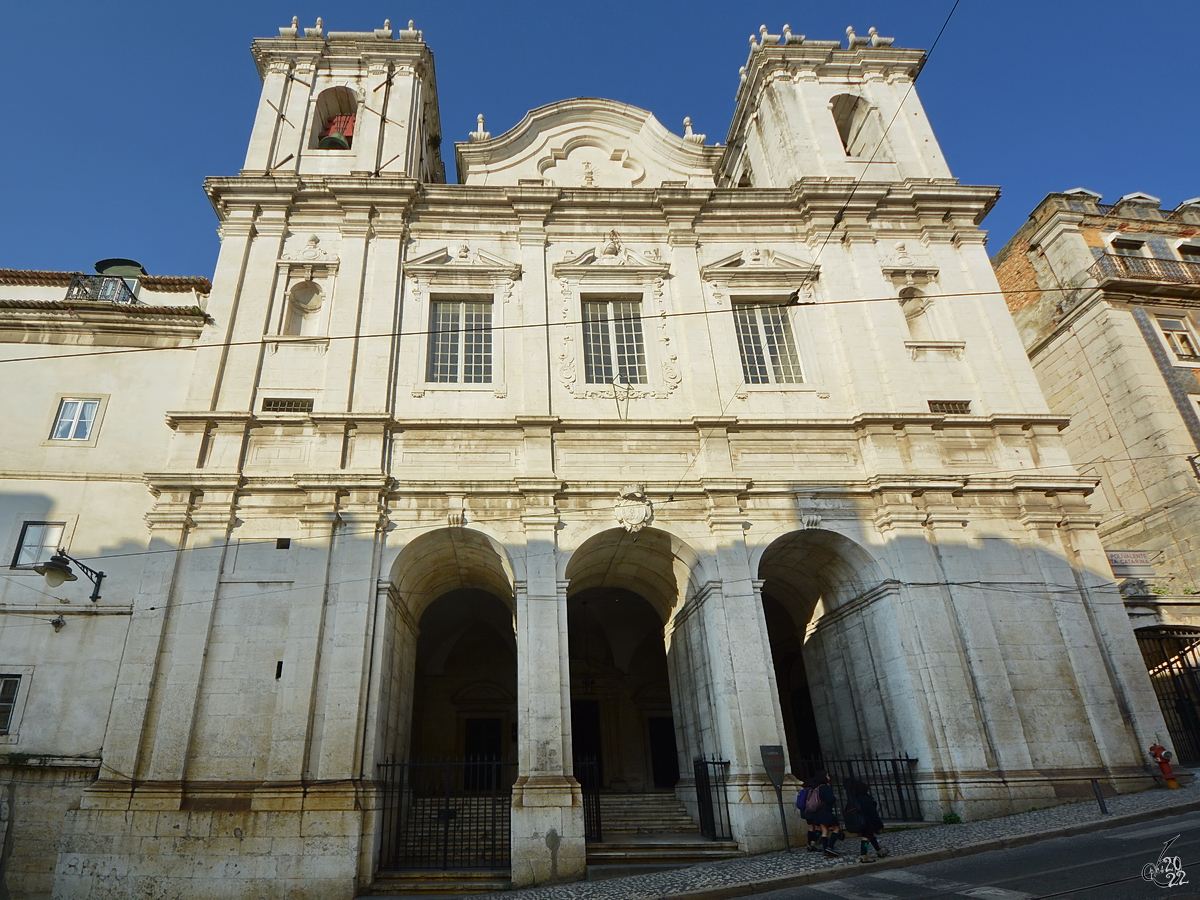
x: 335, y: 140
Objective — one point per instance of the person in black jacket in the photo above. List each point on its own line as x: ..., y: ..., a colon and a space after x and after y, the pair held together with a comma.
x: 862, y: 817
x: 823, y: 814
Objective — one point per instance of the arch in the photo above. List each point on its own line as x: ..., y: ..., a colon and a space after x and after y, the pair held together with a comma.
x: 614, y: 557
x: 816, y: 562
x: 448, y: 559
x: 304, y: 309
x: 858, y: 127
x: 333, y: 119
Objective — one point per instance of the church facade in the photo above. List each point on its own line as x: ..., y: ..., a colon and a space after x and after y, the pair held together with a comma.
x: 624, y: 451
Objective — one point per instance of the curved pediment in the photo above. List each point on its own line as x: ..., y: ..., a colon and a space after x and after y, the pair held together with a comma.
x: 587, y: 143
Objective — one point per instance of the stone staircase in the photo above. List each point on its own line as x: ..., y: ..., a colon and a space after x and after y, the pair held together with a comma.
x: 413, y: 885
x: 649, y: 833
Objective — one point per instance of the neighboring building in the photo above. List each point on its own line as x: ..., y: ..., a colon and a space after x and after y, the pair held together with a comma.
x: 1106, y: 299
x: 625, y: 451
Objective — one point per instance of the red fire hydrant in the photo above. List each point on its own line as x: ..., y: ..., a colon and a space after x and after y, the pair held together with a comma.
x: 1162, y: 756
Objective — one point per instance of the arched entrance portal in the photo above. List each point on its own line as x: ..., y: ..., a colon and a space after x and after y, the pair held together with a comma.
x: 452, y: 705
x: 628, y: 689
x: 815, y: 590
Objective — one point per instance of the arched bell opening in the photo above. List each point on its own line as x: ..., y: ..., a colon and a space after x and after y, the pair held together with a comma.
x: 628, y: 699
x: 815, y: 585
x: 334, y: 118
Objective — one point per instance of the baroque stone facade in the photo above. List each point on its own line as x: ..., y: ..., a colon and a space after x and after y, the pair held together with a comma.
x: 624, y: 444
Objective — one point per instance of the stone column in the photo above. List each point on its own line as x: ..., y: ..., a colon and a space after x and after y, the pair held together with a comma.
x: 547, y: 813
x: 739, y: 652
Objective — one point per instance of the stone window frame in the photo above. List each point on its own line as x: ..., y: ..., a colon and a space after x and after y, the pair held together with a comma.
x: 1189, y: 329
x: 97, y: 420
x: 25, y: 673
x: 1188, y: 244
x: 462, y: 298
x: 744, y: 301
x: 428, y: 294
x: 612, y: 335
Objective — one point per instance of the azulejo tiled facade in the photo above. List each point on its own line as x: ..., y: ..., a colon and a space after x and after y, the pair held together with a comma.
x: 626, y: 446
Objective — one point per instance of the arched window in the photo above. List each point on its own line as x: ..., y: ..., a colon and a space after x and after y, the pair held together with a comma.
x: 336, y: 109
x: 858, y: 127
x: 304, y: 309
x: 917, y: 307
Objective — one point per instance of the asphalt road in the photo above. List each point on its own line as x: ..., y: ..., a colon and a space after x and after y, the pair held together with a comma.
x: 1103, y: 865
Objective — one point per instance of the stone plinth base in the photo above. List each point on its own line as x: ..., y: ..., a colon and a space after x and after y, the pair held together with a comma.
x: 547, y: 831
x: 279, y: 843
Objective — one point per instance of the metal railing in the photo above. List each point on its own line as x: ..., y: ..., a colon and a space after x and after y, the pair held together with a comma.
x: 711, y: 800
x: 447, y: 814
x: 891, y: 780
x: 1172, y: 657
x: 1145, y: 268
x: 587, y: 772
x: 109, y: 288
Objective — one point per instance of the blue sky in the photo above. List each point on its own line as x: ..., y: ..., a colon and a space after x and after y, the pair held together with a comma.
x: 118, y: 111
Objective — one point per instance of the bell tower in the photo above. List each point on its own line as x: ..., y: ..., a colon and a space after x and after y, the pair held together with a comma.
x: 346, y: 102
x: 808, y: 108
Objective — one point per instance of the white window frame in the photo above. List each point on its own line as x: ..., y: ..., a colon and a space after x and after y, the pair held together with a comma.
x: 101, y: 401
x: 25, y: 673
x: 52, y: 546
x: 612, y: 338
x: 1170, y: 347
x: 427, y: 363
x: 771, y: 364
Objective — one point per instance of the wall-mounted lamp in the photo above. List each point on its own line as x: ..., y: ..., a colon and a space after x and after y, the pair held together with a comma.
x: 57, y: 569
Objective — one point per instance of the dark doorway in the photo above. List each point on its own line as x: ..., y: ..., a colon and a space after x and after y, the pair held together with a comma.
x: 483, y: 739
x: 791, y: 678
x: 585, y: 733
x: 664, y: 757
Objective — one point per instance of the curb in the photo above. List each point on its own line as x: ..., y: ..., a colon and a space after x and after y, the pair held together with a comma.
x: 764, y: 885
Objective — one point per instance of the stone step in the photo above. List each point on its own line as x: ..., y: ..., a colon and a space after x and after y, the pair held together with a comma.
x: 416, y: 884
x: 649, y: 813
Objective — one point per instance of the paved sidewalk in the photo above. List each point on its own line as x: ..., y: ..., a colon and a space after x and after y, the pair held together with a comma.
x: 771, y: 871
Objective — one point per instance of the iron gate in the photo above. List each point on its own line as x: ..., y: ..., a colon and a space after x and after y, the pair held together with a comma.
x: 711, y: 775
x: 448, y: 814
x: 587, y: 772
x: 891, y: 781
x: 1172, y: 658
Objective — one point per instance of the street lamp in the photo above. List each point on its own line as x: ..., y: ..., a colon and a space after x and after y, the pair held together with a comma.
x: 57, y: 569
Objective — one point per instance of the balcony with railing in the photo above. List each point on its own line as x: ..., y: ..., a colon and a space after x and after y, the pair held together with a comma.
x: 1148, y: 274
x: 105, y: 288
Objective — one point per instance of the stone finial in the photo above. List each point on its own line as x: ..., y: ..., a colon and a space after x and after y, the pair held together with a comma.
x: 878, y: 40
x: 293, y: 31
x: 853, y: 41
x: 318, y: 31
x: 767, y: 37
x: 789, y: 38
x: 689, y: 135
x: 753, y: 42
x: 479, y: 134
x: 411, y: 33
x: 742, y: 75
x: 384, y: 33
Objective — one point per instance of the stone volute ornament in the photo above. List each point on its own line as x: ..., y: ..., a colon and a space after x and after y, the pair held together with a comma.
x: 633, y: 509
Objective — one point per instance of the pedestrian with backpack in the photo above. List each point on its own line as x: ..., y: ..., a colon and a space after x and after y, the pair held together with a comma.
x: 820, y: 808
x: 862, y: 818
x: 814, y: 834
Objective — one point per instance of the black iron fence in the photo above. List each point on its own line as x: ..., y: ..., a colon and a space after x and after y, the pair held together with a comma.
x: 446, y: 814
x: 587, y: 773
x: 1172, y: 658
x: 110, y: 288
x: 1145, y: 268
x: 891, y: 780
x: 711, y: 777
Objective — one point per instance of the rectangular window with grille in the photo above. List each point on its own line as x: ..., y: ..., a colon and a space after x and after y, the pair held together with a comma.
x: 39, y: 541
x: 614, y: 351
x: 9, y: 686
x: 950, y: 407
x: 287, y: 404
x: 460, y: 342
x: 1179, y: 338
x: 766, y: 343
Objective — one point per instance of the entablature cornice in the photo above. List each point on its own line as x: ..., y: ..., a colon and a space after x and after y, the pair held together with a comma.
x: 86, y: 322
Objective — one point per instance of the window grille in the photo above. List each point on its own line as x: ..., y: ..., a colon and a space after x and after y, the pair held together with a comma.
x: 39, y: 541
x: 460, y: 342
x: 9, y: 685
x: 766, y: 344
x: 613, y: 348
x: 950, y: 407
x: 287, y: 404
x: 74, y: 420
